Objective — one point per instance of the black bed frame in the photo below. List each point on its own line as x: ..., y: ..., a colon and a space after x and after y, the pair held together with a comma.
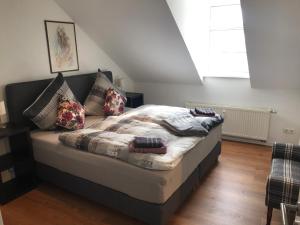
x: 20, y: 95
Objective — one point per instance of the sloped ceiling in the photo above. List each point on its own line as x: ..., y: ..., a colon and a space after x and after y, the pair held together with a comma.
x: 273, y: 42
x: 141, y: 36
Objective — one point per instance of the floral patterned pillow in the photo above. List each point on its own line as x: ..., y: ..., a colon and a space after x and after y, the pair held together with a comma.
x: 114, y: 103
x: 70, y: 114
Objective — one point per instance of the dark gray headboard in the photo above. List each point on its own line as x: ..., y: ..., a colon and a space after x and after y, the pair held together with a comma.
x: 20, y: 95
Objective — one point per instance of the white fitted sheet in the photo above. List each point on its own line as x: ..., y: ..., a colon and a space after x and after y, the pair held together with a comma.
x: 148, y: 185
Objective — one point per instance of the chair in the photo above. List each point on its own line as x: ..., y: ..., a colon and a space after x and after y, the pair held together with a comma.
x: 284, y: 180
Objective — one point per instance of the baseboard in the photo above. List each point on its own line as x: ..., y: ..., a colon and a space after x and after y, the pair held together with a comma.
x: 246, y: 140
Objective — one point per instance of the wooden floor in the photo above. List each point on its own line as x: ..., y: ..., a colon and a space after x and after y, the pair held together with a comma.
x: 232, y: 194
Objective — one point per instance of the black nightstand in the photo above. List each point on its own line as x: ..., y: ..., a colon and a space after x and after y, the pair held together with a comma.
x: 134, y: 100
x: 17, y: 167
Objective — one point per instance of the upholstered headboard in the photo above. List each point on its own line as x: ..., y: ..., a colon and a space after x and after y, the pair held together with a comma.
x: 20, y: 95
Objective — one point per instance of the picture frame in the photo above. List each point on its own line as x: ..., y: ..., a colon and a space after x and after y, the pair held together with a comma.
x: 62, y: 46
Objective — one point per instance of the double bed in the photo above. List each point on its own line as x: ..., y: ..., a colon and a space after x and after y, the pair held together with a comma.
x: 151, y: 196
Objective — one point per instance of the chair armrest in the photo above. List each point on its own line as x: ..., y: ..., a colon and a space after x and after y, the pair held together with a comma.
x: 286, y: 151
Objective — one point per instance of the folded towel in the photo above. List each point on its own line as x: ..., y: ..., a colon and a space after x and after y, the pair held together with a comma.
x: 160, y: 150
x: 193, y: 112
x: 188, y: 125
x: 185, y: 126
x: 202, y: 112
x: 146, y: 142
x: 205, y: 111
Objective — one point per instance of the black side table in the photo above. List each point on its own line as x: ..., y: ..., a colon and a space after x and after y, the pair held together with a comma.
x: 134, y: 99
x: 17, y: 167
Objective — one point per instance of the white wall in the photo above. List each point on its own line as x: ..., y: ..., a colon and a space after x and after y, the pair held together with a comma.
x: 140, y: 35
x: 272, y: 39
x: 233, y: 92
x: 23, y: 47
x: 192, y: 18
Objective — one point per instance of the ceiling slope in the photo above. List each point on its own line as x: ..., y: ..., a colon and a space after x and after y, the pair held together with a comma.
x: 141, y: 36
x: 272, y: 38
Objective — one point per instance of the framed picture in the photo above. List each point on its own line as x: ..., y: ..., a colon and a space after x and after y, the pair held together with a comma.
x: 62, y: 46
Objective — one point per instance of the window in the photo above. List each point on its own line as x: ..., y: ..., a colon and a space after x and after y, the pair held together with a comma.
x: 227, y: 50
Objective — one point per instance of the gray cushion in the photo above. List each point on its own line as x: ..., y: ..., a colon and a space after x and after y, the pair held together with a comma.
x: 95, y: 100
x: 43, y: 111
x: 283, y: 182
x: 286, y: 151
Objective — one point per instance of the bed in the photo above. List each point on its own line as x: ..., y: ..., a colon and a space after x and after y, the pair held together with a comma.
x: 148, y: 195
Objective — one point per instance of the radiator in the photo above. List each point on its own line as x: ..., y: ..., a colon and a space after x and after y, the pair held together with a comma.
x: 241, y: 122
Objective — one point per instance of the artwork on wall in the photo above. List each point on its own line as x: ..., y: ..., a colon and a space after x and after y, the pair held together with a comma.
x: 62, y: 46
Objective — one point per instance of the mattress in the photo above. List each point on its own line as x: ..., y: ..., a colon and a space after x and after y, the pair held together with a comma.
x: 147, y: 185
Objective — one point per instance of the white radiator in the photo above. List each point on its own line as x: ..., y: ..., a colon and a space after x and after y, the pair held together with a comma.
x: 241, y: 122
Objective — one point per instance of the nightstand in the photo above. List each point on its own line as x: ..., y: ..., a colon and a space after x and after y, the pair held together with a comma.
x: 134, y: 100
x: 17, y: 166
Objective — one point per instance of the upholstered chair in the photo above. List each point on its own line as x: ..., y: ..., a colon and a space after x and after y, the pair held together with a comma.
x: 284, y: 180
